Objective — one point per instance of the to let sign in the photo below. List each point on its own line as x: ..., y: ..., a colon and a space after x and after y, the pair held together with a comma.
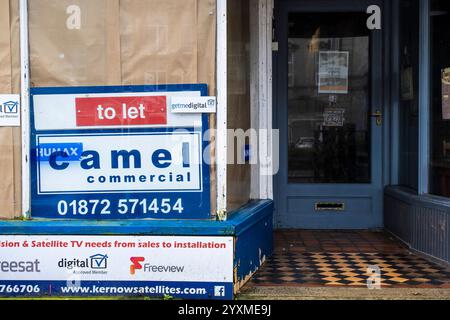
x: 123, y: 111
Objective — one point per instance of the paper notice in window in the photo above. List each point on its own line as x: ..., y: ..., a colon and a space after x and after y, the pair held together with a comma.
x: 333, y: 72
x: 334, y: 117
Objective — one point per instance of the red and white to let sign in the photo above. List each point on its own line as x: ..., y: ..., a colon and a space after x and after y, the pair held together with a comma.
x: 121, y: 111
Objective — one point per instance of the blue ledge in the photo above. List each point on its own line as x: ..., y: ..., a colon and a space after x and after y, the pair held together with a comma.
x: 239, y: 221
x: 422, y: 201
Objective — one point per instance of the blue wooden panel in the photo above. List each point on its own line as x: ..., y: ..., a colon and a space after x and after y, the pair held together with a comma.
x: 240, y: 221
x: 254, y: 244
x: 421, y: 221
x: 301, y: 212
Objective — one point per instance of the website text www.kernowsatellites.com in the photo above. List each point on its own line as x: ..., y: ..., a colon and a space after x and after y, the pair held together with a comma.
x: 124, y: 290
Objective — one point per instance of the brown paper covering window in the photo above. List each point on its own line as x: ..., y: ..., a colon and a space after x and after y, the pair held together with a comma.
x: 119, y: 42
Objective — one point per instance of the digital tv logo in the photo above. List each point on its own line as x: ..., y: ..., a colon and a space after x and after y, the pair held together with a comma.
x: 10, y: 107
x: 96, y: 262
x: 99, y: 261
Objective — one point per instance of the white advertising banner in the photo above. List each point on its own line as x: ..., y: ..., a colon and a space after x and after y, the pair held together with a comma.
x: 87, y: 265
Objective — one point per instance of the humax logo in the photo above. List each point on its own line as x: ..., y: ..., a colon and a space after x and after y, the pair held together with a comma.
x: 68, y: 151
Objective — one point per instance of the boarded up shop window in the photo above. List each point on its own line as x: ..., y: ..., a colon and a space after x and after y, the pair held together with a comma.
x: 10, y: 137
x: 123, y: 42
x: 238, y: 179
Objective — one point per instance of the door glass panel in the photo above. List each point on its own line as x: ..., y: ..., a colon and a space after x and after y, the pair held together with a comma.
x: 329, y: 127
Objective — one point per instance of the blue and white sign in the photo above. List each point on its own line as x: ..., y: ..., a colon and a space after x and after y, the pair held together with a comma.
x: 117, y: 172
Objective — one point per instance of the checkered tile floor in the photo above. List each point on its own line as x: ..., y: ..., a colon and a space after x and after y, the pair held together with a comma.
x: 301, y: 259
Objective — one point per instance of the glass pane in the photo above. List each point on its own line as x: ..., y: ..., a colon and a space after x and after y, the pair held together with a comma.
x: 409, y: 98
x: 440, y: 95
x: 238, y: 112
x: 329, y: 98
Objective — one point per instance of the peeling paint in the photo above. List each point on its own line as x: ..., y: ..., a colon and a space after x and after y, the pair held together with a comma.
x: 262, y: 257
x: 239, y: 284
x: 222, y: 215
x: 254, y: 244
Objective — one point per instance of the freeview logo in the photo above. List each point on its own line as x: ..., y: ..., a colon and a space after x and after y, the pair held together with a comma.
x: 136, y: 264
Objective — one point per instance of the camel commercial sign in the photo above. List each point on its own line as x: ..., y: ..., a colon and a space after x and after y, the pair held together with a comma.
x: 117, y: 155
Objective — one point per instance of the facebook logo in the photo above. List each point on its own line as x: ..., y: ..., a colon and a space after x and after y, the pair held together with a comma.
x: 219, y: 291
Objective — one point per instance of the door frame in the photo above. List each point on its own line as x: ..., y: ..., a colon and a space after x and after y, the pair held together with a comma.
x: 382, y: 60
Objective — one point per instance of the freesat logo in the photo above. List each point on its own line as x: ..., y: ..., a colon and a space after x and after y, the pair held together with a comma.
x: 20, y: 266
x: 137, y: 264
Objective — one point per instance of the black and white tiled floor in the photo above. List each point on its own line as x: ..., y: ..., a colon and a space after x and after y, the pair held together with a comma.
x: 322, y: 258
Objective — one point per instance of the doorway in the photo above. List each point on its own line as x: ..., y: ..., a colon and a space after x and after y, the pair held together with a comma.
x: 328, y: 108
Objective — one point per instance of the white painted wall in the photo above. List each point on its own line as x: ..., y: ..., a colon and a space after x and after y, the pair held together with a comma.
x: 261, y: 94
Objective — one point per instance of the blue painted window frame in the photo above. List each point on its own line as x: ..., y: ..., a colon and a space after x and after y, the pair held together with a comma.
x: 424, y: 142
x: 424, y: 98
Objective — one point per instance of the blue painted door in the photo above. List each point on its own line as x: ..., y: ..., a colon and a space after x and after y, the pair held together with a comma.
x: 328, y: 108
